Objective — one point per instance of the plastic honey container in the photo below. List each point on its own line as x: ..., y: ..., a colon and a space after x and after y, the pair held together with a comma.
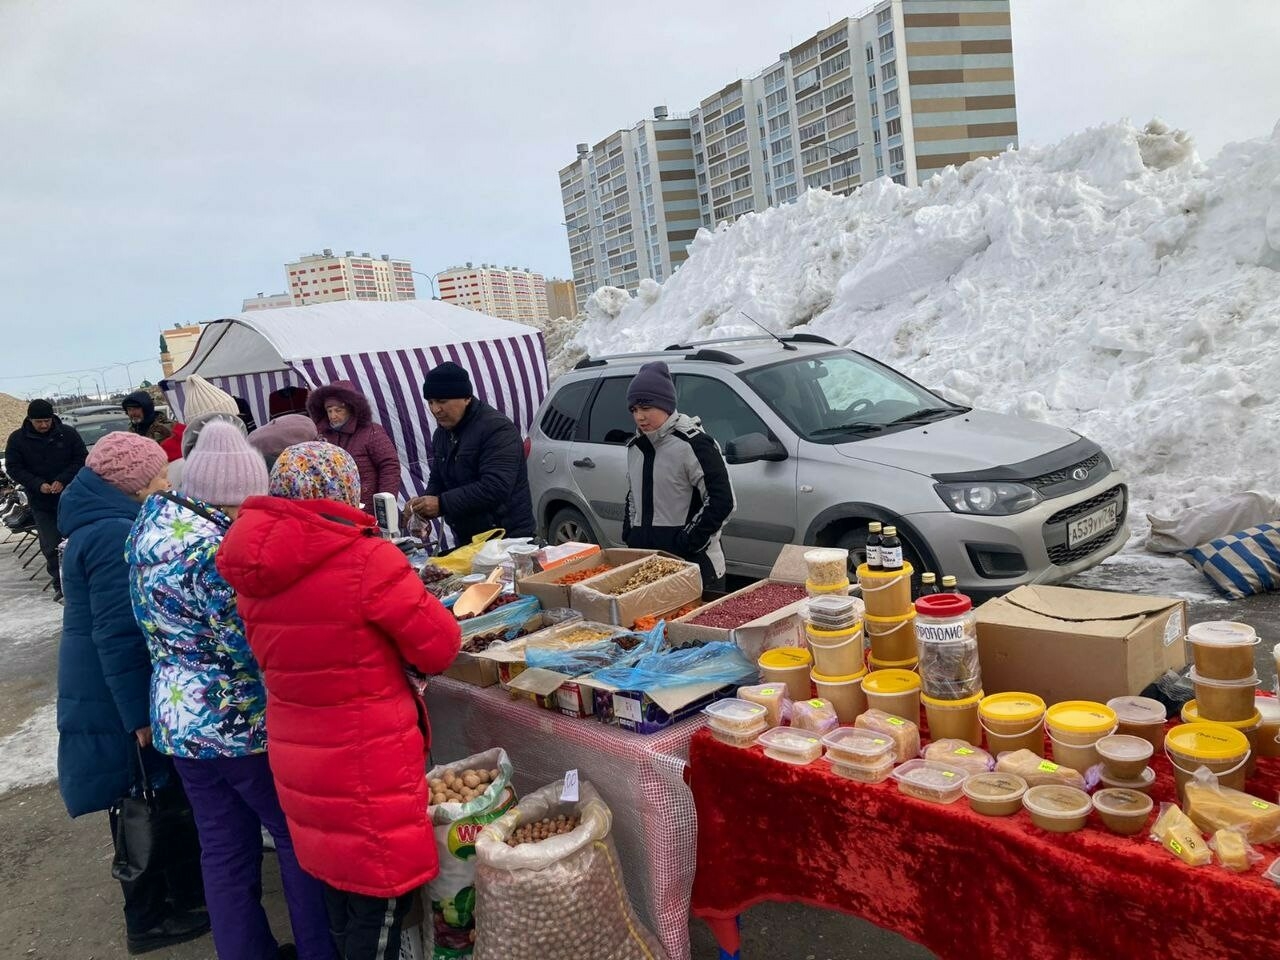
x: 995, y: 794
x: 1013, y: 721
x: 1251, y: 728
x: 1142, y: 717
x: 1123, y: 811
x: 790, y: 667
x: 954, y: 719
x: 1269, y: 709
x: 1124, y: 757
x: 1223, y: 649
x: 845, y: 693
x: 1057, y: 809
x: 789, y: 745
x: 887, y: 593
x: 875, y: 664
x: 896, y: 692
x: 1142, y: 783
x: 891, y: 638
x: 836, y: 652
x: 927, y: 780
x: 1075, y: 727
x: 1223, y: 750
x: 1225, y: 701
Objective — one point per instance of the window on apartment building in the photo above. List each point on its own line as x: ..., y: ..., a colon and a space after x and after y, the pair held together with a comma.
x: 876, y: 135
x: 889, y: 70
x: 838, y: 92
x: 900, y: 178
x: 734, y: 116
x: 890, y: 100
x: 787, y: 193
x: 834, y: 65
x: 896, y: 155
x: 871, y: 82
x: 813, y: 155
x: 871, y: 53
x: 702, y: 180
x: 782, y: 170
x: 846, y: 114
x: 775, y: 79
x: 893, y: 128
x: 720, y: 191
x: 718, y: 170
x: 777, y: 99
x: 808, y: 53
x: 809, y: 104
x: 884, y: 16
x: 735, y: 139
x: 807, y: 79
x: 740, y: 183
x: 886, y: 43
x: 844, y: 144
x: 779, y: 148
x: 834, y: 39
x: 811, y: 130
x: 818, y: 180
x: 780, y: 122
x: 875, y: 110
x: 846, y: 169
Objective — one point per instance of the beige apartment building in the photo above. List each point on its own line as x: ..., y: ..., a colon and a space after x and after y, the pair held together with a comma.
x: 324, y: 277
x: 562, y: 299
x: 508, y: 293
x: 266, y: 301
x: 176, y: 346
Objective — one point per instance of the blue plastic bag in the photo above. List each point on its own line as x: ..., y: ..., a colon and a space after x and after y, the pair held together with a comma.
x: 580, y: 660
x: 720, y: 662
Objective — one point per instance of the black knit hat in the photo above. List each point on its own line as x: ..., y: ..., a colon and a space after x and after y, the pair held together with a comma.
x: 447, y: 382
x: 652, y: 387
x: 39, y: 410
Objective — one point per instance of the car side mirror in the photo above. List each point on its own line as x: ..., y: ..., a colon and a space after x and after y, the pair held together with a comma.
x: 755, y: 447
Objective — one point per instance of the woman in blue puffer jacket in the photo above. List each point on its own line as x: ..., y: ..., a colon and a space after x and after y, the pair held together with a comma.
x: 208, y: 702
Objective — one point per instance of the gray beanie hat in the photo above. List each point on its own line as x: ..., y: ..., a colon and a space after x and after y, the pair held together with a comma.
x: 653, y: 387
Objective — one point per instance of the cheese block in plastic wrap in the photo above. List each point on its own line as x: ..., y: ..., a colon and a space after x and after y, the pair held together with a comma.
x: 1232, y: 850
x: 1175, y: 832
x: 1212, y: 807
x: 904, y: 734
x: 960, y: 753
x: 1038, y: 771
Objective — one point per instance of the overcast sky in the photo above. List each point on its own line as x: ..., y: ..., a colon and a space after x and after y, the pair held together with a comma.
x: 159, y: 161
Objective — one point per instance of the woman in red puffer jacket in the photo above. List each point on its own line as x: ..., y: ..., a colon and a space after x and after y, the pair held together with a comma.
x: 333, y: 613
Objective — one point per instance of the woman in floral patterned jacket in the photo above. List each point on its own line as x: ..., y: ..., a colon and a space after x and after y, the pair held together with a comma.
x: 208, y: 702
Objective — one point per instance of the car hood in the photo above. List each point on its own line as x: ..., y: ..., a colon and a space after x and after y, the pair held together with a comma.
x: 973, y: 441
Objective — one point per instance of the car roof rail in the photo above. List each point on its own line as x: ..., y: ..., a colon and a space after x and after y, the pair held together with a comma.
x: 755, y: 338
x: 710, y: 356
x: 810, y: 338
x: 714, y: 356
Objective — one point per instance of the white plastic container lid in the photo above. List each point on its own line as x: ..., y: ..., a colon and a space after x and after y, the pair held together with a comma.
x: 1057, y: 802
x: 734, y: 714
x: 790, y: 745
x: 1249, y: 681
x: 1139, y: 710
x: 1122, y: 802
x: 995, y: 787
x: 929, y: 775
x: 1124, y: 749
x: 1141, y: 783
x: 1269, y: 707
x: 852, y: 744
x: 1222, y: 633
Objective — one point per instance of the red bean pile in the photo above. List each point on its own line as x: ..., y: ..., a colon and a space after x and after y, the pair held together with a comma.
x: 736, y: 611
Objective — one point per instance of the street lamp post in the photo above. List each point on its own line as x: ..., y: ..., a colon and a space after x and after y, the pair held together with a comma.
x: 431, y: 278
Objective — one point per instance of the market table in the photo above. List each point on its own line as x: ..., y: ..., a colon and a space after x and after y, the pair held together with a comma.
x: 961, y: 884
x: 640, y: 777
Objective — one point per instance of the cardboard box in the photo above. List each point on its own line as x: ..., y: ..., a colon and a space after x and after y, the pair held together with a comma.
x: 554, y: 691
x: 481, y: 672
x: 782, y: 628
x: 509, y: 658
x: 642, y: 712
x: 669, y: 593
x: 551, y: 594
x: 1067, y: 644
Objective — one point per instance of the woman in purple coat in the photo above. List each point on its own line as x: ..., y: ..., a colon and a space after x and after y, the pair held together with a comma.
x: 343, y: 417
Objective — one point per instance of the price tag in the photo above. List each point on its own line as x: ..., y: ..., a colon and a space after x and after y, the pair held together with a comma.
x: 963, y: 752
x: 1047, y: 766
x: 570, y: 792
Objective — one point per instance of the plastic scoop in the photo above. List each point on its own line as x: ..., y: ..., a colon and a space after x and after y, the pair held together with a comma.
x: 477, y: 598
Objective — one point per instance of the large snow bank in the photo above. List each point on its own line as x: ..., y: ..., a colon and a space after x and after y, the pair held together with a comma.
x: 1112, y: 283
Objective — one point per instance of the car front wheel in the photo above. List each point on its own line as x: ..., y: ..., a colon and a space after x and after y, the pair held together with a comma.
x: 569, y: 525
x: 855, y: 541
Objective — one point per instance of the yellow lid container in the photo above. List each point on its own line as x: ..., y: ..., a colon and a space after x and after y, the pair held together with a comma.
x: 1013, y: 708
x: 891, y: 622
x: 1209, y: 742
x: 1191, y: 714
x: 784, y: 658
x: 849, y: 678
x: 1081, y: 717
x: 890, y: 682
x: 833, y: 634
x: 952, y: 704
x: 866, y: 572
x: 910, y: 664
x: 817, y: 589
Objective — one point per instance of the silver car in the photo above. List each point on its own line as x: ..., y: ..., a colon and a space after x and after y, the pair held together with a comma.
x: 820, y: 441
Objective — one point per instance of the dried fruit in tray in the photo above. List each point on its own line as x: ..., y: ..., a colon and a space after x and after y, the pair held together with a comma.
x: 735, y: 611
x: 646, y: 623
x: 650, y: 571
x: 579, y: 575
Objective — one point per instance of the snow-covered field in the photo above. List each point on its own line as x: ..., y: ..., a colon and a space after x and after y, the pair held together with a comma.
x: 1112, y: 283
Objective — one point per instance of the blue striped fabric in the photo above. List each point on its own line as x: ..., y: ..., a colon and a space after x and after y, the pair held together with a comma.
x: 1241, y: 564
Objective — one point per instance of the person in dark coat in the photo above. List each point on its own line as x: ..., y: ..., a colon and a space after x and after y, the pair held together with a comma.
x: 478, y: 480
x: 144, y: 419
x: 104, y: 684
x: 43, y: 456
x: 343, y: 417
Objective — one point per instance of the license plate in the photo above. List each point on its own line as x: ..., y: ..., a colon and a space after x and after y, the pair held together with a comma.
x: 1090, y: 525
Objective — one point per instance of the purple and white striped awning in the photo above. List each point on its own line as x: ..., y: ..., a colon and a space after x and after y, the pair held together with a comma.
x: 386, y: 350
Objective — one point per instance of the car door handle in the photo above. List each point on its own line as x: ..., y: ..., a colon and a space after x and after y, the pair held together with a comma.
x: 585, y: 462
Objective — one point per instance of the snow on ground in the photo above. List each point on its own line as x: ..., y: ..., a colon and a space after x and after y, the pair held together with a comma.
x: 29, y: 755
x: 1111, y: 283
x: 27, y: 619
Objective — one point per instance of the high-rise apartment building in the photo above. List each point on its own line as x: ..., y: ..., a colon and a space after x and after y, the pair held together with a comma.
x: 505, y: 292
x: 176, y: 346
x: 631, y: 204
x: 900, y: 91
x: 323, y: 277
x: 266, y: 301
x: 562, y: 299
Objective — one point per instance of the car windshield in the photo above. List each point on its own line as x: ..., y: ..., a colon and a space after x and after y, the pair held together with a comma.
x: 91, y: 433
x: 838, y: 397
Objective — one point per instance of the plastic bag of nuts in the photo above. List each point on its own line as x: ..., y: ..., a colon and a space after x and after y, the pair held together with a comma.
x: 561, y: 896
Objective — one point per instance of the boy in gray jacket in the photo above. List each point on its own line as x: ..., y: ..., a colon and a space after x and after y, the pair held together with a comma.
x: 679, y: 495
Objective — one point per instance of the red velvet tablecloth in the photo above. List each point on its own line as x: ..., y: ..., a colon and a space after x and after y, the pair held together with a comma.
x: 961, y: 884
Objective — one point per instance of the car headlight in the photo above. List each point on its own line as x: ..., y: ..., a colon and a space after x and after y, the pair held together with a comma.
x: 988, y: 499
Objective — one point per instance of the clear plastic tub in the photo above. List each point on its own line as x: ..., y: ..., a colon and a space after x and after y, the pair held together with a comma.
x: 1141, y: 783
x: 1142, y: 717
x: 875, y: 771
x: 827, y: 566
x: 797, y: 747
x: 832, y: 612
x: 1223, y: 649
x: 850, y: 745
x: 1123, y: 811
x: 960, y: 753
x: 1057, y: 809
x: 995, y: 794
x: 1269, y: 709
x: 1225, y: 701
x: 1124, y: 756
x: 733, y: 715
x: 927, y: 780
x: 816, y: 715
x: 738, y: 738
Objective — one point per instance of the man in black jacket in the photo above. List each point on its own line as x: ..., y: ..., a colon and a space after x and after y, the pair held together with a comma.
x: 44, y: 455
x: 478, y: 480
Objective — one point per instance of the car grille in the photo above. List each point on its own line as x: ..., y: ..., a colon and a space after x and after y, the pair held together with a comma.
x: 1055, y: 530
x: 1064, y: 475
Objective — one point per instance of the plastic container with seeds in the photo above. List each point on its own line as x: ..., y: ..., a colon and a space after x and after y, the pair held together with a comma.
x: 1223, y: 649
x: 995, y: 794
x: 1057, y: 809
x: 827, y: 566
x: 798, y: 747
x: 1142, y: 717
x: 1123, y: 756
x: 832, y: 612
x: 1123, y: 811
x: 734, y: 715
x: 1225, y: 700
x: 862, y: 755
x: 927, y: 780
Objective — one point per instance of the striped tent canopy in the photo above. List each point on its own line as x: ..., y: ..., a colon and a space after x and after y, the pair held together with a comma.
x: 385, y: 349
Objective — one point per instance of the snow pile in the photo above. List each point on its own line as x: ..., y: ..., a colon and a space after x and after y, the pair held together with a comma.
x: 1112, y: 284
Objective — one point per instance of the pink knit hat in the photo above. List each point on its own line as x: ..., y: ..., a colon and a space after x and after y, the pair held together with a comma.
x: 127, y: 461
x: 223, y: 469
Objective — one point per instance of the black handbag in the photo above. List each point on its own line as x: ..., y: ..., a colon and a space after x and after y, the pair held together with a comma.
x: 143, y: 825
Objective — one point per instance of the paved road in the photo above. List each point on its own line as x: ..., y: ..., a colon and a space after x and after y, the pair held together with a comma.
x: 57, y: 901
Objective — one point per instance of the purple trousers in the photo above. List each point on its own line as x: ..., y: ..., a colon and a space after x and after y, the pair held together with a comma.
x: 233, y: 799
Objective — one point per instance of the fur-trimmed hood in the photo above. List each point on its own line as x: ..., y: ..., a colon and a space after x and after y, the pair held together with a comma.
x: 345, y: 391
